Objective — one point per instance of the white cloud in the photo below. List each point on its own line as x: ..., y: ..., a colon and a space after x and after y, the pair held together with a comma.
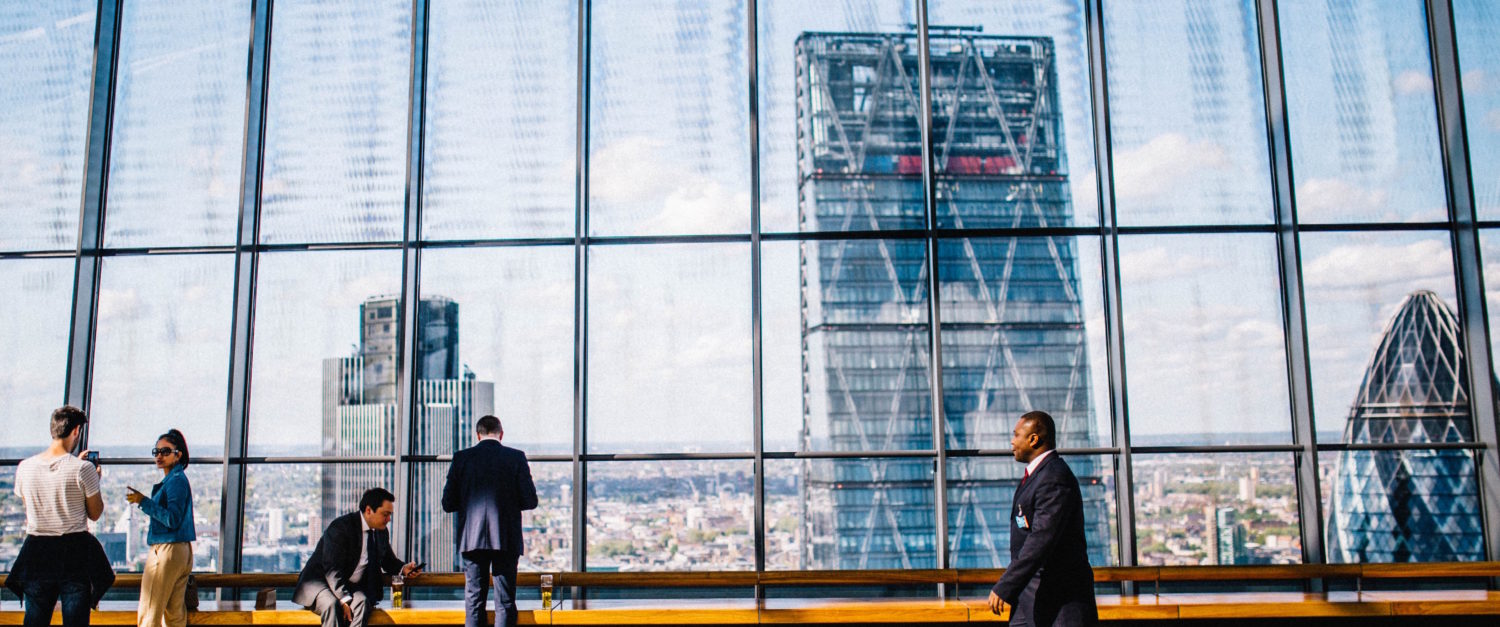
x: 639, y: 170
x: 1362, y: 266
x: 119, y: 305
x: 1155, y: 264
x: 1475, y: 81
x: 1160, y: 165
x: 1413, y: 82
x: 1337, y: 195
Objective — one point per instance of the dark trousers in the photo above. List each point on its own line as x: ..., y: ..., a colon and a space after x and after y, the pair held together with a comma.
x: 328, y: 607
x: 479, y: 568
x: 41, y: 596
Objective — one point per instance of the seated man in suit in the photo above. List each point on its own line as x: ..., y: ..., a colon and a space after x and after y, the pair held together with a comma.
x: 342, y: 578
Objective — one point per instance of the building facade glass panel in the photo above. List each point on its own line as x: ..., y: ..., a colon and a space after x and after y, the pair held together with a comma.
x: 669, y: 366
x: 860, y: 513
x: 515, y: 313
x: 336, y: 122
x: 325, y: 353
x: 783, y: 80
x: 1362, y: 112
x: 499, y: 148
x: 1020, y: 331
x: 1216, y: 509
x: 1205, y: 346
x: 287, y: 507
x: 1187, y: 112
x: 1063, y: 119
x: 122, y: 528
x: 1476, y: 23
x: 46, y: 55
x: 671, y: 515
x: 981, y: 493
x: 33, y: 349
x: 179, y: 126
x: 669, y: 129
x: 1354, y: 284
x: 161, y: 357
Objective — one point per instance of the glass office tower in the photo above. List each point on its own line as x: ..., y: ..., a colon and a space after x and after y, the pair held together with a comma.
x: 359, y: 416
x: 1013, y: 337
x: 1410, y: 505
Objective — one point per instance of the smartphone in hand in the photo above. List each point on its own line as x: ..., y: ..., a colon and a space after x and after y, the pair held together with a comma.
x: 92, y: 457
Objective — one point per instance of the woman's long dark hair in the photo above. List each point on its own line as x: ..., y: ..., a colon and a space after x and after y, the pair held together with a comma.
x: 174, y: 437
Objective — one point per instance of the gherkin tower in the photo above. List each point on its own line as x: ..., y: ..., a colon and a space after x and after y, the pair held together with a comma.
x: 1409, y: 505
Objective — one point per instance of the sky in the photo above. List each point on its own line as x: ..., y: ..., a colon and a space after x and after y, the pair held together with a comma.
x: 669, y: 325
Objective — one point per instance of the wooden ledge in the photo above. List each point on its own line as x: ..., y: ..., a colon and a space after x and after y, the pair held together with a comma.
x: 1241, y: 605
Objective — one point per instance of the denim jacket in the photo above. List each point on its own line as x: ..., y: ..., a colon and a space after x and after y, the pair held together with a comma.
x: 170, y: 509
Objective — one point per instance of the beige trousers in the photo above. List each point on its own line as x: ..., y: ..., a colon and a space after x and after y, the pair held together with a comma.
x: 163, y: 584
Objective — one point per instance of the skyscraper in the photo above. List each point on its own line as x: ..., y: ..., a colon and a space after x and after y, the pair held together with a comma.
x: 359, y: 414
x: 1409, y: 505
x: 1012, y: 334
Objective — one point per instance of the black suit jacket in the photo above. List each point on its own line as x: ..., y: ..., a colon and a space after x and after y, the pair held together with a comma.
x: 489, y: 485
x: 1049, y: 580
x: 336, y: 556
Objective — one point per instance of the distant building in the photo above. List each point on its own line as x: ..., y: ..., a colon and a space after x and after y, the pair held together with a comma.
x: 1417, y: 505
x: 1013, y: 336
x: 359, y: 415
x: 1226, y: 545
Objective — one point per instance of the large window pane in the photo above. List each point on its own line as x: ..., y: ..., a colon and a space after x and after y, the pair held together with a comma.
x: 497, y: 329
x: 981, y: 491
x: 548, y: 528
x: 1205, y: 348
x: 845, y: 330
x: 33, y: 350
x: 287, y: 507
x: 812, y: 183
x: 122, y: 528
x: 174, y: 175
x: 336, y: 122
x: 1384, y: 338
x: 850, y: 514
x: 1061, y: 158
x: 669, y: 348
x: 47, y: 59
x: 669, y: 113
x: 1023, y: 329
x: 1401, y: 506
x: 1478, y: 24
x: 1187, y: 113
x: 12, y: 518
x: 1361, y: 108
x: 501, y: 120
x: 325, y: 351
x: 671, y: 515
x: 161, y: 357
x: 1217, y: 508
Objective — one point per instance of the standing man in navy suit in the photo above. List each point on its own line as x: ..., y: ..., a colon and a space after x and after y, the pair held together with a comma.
x: 1049, y: 581
x: 489, y: 485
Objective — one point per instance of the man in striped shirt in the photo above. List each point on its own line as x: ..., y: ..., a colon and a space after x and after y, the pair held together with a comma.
x: 61, y: 492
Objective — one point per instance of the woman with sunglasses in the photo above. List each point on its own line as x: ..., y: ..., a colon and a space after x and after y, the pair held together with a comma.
x: 170, y: 508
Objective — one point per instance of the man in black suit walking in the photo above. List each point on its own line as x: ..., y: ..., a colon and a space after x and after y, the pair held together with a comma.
x: 1049, y: 581
x: 489, y: 485
x: 341, y: 581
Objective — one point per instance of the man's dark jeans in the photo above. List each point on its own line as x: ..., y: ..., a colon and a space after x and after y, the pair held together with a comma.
x: 41, y: 596
x: 481, y: 568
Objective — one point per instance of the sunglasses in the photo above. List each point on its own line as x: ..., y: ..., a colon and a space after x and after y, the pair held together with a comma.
x: 163, y: 451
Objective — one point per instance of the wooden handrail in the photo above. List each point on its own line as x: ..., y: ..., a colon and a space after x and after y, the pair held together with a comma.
x: 745, y: 579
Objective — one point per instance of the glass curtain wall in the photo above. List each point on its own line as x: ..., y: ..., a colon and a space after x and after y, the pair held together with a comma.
x: 762, y: 284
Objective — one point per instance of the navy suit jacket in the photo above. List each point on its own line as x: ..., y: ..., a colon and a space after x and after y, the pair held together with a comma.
x: 1049, y: 580
x: 489, y: 485
x: 335, y: 558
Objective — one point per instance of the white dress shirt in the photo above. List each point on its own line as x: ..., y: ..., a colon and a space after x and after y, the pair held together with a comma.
x: 1036, y: 461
